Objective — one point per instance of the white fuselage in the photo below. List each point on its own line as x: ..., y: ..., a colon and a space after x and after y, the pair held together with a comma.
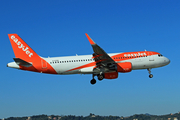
x: 79, y: 64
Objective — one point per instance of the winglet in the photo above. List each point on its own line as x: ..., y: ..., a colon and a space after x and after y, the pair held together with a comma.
x: 90, y: 39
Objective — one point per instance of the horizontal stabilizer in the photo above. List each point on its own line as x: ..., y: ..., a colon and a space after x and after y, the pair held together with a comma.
x: 22, y: 62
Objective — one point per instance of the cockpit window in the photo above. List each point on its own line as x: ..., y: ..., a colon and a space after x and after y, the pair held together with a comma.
x: 160, y: 55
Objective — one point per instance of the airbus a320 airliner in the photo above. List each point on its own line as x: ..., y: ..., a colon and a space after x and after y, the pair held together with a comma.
x: 100, y: 63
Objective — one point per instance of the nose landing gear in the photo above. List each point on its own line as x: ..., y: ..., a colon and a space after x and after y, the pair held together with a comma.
x: 150, y: 75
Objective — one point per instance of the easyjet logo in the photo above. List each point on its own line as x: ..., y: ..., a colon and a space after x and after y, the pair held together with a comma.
x: 21, y: 46
x: 135, y: 54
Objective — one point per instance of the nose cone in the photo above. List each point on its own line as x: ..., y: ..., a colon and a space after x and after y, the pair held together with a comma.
x: 167, y: 61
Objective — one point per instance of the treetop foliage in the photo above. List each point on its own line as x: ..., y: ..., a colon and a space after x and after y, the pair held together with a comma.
x: 97, y: 117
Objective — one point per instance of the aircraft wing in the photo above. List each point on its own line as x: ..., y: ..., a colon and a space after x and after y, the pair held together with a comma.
x: 102, y: 59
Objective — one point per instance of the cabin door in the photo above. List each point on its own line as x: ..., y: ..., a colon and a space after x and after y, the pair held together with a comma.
x: 44, y: 64
x: 151, y: 57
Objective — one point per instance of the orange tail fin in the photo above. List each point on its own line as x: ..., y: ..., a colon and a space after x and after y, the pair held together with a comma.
x: 21, y: 49
x: 26, y: 58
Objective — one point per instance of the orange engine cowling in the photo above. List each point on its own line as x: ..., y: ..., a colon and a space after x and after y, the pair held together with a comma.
x: 111, y: 75
x: 124, y: 67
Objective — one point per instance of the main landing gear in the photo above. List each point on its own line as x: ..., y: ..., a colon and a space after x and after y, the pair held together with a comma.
x: 99, y: 76
x: 150, y: 75
x: 93, y: 81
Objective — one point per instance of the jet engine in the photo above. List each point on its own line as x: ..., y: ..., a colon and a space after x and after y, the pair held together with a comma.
x: 111, y: 75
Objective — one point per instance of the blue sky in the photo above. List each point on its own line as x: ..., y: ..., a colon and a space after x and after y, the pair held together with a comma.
x: 57, y: 28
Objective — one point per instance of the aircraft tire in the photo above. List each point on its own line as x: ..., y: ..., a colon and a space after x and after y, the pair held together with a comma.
x: 100, y: 77
x: 150, y: 76
x: 93, y: 81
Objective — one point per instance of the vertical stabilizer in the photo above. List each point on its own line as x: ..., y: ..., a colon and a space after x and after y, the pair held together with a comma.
x: 26, y: 58
x: 21, y: 49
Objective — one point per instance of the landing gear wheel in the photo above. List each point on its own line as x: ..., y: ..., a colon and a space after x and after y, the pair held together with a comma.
x: 93, y: 81
x: 100, y: 77
x: 150, y: 76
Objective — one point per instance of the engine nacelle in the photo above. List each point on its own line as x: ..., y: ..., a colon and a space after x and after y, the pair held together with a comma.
x: 124, y: 67
x: 111, y: 75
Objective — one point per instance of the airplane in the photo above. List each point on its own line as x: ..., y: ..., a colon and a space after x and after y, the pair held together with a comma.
x: 100, y: 63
